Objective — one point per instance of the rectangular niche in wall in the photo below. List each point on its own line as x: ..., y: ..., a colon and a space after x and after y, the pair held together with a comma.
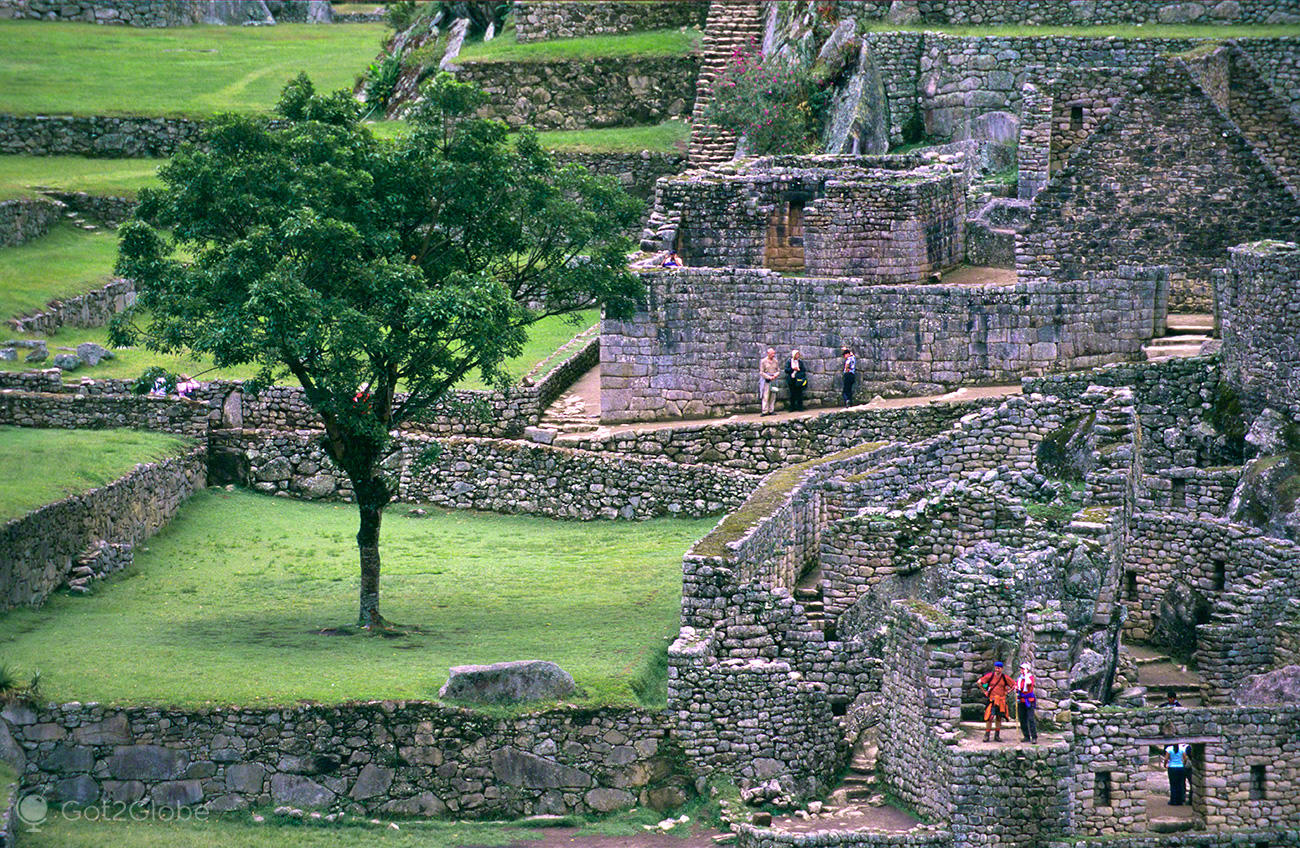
x: 1130, y: 585
x: 1258, y: 783
x: 1101, y: 789
x: 1178, y: 492
x: 1076, y: 117
x: 1220, y: 575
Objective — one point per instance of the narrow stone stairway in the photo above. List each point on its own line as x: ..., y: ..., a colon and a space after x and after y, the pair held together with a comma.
x: 730, y: 27
x: 1183, y: 338
x: 859, y: 784
x: 1158, y: 672
x: 578, y: 409
x: 809, y: 594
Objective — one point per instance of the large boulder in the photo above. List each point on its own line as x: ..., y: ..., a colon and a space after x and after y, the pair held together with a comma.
x: 1067, y: 453
x: 92, y: 354
x: 67, y: 362
x: 1280, y: 686
x: 507, y: 683
x: 1268, y: 495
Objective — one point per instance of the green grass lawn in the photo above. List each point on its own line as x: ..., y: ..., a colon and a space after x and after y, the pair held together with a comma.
x: 85, y: 69
x: 1101, y: 31
x: 227, y: 606
x: 66, y: 262
x: 667, y: 137
x: 664, y: 42
x: 70, y: 462
x: 119, y: 177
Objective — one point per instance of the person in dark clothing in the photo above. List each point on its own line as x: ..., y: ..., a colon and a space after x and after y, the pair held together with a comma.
x: 850, y: 375
x: 796, y: 378
x: 1027, y: 704
x: 1171, y: 699
x: 1176, y: 764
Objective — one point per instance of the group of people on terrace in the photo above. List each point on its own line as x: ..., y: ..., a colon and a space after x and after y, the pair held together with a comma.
x: 795, y: 374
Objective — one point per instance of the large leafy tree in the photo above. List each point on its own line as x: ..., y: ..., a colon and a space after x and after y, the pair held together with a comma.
x: 377, y: 273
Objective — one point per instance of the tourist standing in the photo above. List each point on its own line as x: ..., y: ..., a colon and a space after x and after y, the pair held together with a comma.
x: 850, y: 375
x: 1176, y: 764
x: 1027, y: 704
x: 796, y: 378
x: 768, y: 370
x: 996, y: 686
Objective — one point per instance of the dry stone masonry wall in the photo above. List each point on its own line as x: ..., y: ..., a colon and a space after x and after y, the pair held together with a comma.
x: 377, y: 758
x: 537, y: 20
x: 694, y: 351
x: 24, y: 219
x: 94, y: 135
x: 93, y: 309
x: 1259, y: 306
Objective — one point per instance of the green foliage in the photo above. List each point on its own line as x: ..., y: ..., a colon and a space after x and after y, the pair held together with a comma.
x: 1226, y: 416
x: 85, y: 69
x: 776, y: 107
x: 152, y: 376
x: 381, y: 80
x: 399, y: 14
x: 70, y: 462
x: 362, y: 266
x: 237, y: 600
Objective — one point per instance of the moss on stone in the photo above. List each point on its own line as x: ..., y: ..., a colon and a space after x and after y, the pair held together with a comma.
x: 929, y: 612
x: 769, y: 495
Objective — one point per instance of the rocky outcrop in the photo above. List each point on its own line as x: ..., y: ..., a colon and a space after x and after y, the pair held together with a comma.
x: 507, y: 683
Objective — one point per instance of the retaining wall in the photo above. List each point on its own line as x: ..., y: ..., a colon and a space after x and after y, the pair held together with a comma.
x: 1258, y: 300
x: 92, y: 309
x: 39, y: 550
x: 590, y: 94
x: 26, y: 218
x: 375, y: 758
x: 95, y: 135
x: 542, y: 21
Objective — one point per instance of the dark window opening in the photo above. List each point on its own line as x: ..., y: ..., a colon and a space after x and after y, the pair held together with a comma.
x: 1178, y: 492
x: 1261, y: 845
x: 1258, y: 783
x: 1220, y: 575
x: 1131, y: 585
x: 829, y: 632
x: 839, y: 708
x: 1076, y: 117
x: 1101, y: 789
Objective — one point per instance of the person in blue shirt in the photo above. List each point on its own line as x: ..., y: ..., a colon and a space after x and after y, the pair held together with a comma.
x: 673, y: 260
x: 850, y: 375
x: 1176, y: 764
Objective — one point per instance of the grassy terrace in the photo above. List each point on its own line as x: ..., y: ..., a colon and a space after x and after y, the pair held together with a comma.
x: 1102, y: 31
x: 65, y: 262
x: 670, y: 136
x: 235, y: 603
x: 70, y: 462
x: 664, y: 42
x: 115, y: 177
x: 84, y: 69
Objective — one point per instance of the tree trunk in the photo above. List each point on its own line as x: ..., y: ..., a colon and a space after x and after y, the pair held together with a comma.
x: 371, y: 501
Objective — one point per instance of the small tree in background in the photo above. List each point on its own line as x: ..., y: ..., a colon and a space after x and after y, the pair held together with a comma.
x: 363, y: 267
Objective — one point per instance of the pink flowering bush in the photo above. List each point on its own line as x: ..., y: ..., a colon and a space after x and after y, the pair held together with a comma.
x: 777, y: 108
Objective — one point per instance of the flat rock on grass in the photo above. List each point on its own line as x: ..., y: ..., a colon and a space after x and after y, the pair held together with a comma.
x: 507, y: 682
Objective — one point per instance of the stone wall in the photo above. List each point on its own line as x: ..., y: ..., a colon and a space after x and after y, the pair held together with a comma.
x: 98, y: 412
x: 694, y: 350
x: 138, y: 13
x: 537, y: 20
x: 1258, y: 299
x: 39, y: 551
x: 108, y: 210
x: 636, y: 172
x: 577, y: 95
x: 494, y: 475
x: 1067, y: 13
x: 375, y: 758
x: 1227, y: 743
x: 92, y: 309
x: 764, y: 446
x: 1211, y: 194
x: 26, y: 218
x: 94, y: 135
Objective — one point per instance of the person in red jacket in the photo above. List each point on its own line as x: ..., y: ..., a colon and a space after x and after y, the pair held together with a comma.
x: 996, y: 686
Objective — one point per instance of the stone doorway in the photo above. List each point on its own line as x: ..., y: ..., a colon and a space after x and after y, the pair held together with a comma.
x: 783, y: 250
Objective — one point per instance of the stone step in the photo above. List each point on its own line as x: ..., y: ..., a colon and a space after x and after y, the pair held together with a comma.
x: 1189, y: 323
x: 1179, y: 340
x: 1170, y: 824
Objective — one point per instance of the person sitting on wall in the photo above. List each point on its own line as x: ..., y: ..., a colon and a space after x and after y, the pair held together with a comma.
x: 996, y: 686
x: 850, y: 375
x: 1176, y: 764
x: 1027, y: 704
x: 796, y: 378
x: 186, y: 386
x: 768, y: 371
x: 673, y: 260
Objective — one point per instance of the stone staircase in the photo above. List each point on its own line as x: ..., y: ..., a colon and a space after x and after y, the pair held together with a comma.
x: 808, y: 594
x: 74, y: 218
x: 1183, y: 338
x: 570, y: 414
x: 730, y: 27
x: 859, y: 784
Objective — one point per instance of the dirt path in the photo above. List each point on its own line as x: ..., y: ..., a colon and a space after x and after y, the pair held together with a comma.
x: 567, y: 837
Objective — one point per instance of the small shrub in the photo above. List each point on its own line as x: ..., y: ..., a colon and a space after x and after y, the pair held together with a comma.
x: 778, y: 109
x: 150, y: 378
x: 381, y: 80
x: 398, y: 15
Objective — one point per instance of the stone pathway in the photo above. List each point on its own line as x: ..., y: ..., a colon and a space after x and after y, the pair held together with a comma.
x: 587, y: 389
x: 578, y: 409
x: 1158, y: 672
x: 567, y: 837
x: 973, y: 737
